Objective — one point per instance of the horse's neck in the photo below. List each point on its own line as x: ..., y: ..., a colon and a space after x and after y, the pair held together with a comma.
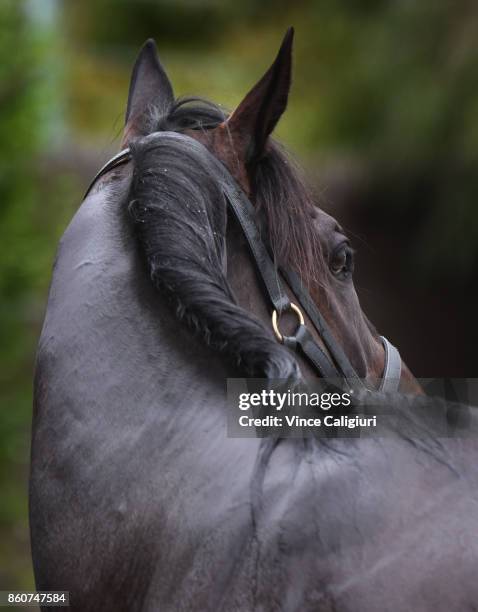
x: 107, y: 324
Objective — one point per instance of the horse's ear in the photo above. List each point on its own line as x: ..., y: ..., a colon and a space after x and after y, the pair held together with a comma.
x: 258, y: 113
x: 150, y: 93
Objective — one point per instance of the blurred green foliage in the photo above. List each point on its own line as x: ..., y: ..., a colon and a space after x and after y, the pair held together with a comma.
x: 31, y: 220
x: 384, y: 86
x: 19, y: 275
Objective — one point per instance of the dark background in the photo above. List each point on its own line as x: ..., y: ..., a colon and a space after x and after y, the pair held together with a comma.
x: 383, y: 115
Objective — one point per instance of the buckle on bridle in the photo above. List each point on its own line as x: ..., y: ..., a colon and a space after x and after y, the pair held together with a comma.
x: 275, y: 326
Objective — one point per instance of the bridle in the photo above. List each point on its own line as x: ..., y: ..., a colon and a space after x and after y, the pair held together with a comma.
x: 337, y: 366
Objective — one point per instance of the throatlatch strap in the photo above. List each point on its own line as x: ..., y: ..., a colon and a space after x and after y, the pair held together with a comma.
x: 268, y: 271
x: 322, y: 328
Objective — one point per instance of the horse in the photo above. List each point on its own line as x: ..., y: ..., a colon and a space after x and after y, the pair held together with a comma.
x: 138, y: 498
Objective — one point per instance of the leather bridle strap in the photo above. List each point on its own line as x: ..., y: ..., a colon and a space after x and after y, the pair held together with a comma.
x: 118, y: 160
x: 321, y: 326
x: 302, y: 340
x: 240, y: 206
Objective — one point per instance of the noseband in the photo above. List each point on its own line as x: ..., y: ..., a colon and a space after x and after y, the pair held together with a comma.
x: 337, y: 366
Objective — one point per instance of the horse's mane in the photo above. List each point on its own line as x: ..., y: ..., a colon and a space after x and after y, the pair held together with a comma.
x: 282, y: 199
x: 180, y: 214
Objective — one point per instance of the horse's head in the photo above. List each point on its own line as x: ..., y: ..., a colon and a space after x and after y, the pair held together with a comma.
x: 300, y: 235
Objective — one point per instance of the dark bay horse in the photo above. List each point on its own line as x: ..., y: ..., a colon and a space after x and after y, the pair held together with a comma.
x: 138, y: 499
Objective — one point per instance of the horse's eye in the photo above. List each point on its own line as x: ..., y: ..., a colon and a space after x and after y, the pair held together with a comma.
x: 342, y: 261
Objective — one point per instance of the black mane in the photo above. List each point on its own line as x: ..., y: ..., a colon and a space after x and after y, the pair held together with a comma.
x: 282, y: 199
x: 180, y: 215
